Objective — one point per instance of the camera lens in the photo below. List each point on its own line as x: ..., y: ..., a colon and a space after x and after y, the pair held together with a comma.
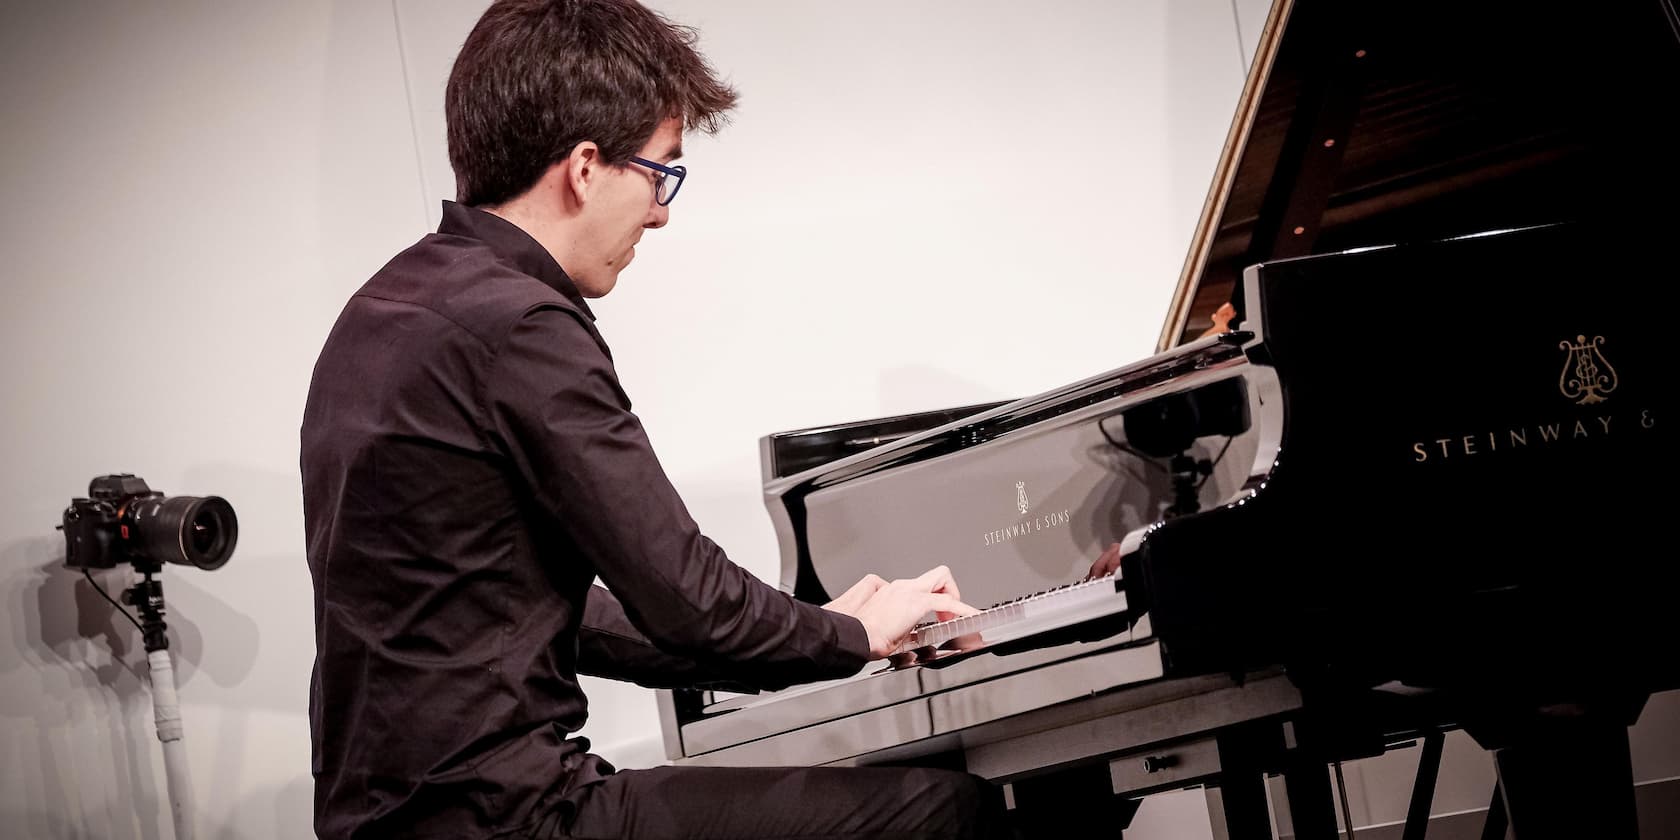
x: 190, y: 530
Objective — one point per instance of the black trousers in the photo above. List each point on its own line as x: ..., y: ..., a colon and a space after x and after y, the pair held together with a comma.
x: 809, y: 803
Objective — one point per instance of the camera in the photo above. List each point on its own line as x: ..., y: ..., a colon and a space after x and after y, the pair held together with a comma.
x: 124, y: 521
x: 1170, y: 425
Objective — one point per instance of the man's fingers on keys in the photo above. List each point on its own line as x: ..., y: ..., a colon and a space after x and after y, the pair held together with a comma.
x: 939, y: 579
x: 947, y: 605
x: 1105, y: 564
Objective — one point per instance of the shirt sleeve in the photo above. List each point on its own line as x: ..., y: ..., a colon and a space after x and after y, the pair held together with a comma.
x: 556, y: 408
x: 610, y: 646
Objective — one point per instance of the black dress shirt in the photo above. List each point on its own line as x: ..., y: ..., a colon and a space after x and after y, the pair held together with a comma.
x: 470, y: 466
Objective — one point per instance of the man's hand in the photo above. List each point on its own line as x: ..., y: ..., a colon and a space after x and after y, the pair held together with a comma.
x: 1107, y: 564
x: 889, y: 610
x: 853, y: 598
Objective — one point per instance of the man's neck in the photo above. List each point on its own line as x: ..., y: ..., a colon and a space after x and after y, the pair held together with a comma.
x: 541, y: 223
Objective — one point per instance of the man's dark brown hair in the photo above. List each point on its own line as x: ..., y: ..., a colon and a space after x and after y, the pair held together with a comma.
x: 537, y: 77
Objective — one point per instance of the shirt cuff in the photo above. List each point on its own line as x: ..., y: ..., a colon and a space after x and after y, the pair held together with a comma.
x: 853, y: 639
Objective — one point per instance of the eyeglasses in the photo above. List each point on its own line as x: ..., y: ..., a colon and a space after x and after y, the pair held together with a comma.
x: 666, y: 179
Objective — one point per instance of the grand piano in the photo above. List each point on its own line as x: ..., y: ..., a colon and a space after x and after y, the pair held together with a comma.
x: 1400, y: 464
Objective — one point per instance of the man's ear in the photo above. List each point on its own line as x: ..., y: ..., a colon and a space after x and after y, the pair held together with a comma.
x: 580, y: 173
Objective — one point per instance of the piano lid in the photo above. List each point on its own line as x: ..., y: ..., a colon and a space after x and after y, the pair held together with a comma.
x: 1373, y: 123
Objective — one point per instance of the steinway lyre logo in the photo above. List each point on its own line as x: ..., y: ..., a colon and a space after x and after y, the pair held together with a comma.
x: 1021, y: 497
x: 1587, y: 377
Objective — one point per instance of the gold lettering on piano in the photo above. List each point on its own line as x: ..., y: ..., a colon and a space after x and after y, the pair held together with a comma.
x: 1587, y: 379
x: 1042, y: 522
x: 1518, y: 437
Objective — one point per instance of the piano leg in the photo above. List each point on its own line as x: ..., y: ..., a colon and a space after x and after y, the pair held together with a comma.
x: 1577, y: 782
x: 1493, y: 828
x: 1067, y: 803
x: 1237, y: 807
x: 1312, y: 809
x: 1565, y: 772
x: 1423, y: 790
x: 1222, y: 817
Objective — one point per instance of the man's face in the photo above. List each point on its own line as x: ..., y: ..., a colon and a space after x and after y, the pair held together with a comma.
x: 620, y: 210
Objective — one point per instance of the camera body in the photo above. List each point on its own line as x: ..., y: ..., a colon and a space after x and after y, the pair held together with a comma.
x: 125, y: 521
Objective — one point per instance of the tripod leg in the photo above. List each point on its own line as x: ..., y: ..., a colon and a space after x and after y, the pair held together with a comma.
x: 166, y: 711
x: 147, y: 597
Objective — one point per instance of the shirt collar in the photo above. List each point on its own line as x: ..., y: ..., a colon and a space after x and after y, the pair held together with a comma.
x: 512, y: 243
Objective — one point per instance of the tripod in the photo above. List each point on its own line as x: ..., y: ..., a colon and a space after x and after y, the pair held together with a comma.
x: 1187, y: 475
x: 147, y: 597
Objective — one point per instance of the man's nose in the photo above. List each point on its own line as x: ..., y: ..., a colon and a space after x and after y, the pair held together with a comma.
x: 658, y: 216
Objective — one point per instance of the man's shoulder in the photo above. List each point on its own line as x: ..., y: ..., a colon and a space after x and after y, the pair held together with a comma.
x: 463, y: 281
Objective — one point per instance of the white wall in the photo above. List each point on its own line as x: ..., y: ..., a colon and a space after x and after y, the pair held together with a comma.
x: 917, y: 206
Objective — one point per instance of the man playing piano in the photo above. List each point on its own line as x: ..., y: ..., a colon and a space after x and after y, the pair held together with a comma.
x: 471, y: 465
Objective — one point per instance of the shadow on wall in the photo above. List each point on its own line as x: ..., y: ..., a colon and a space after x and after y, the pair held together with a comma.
x: 74, y: 699
x: 79, y: 677
x: 292, y: 814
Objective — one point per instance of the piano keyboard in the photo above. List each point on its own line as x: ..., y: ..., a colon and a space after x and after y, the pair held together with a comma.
x: 1028, y: 614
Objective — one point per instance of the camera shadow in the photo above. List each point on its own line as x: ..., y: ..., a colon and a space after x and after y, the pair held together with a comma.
x: 74, y: 703
x: 75, y: 698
